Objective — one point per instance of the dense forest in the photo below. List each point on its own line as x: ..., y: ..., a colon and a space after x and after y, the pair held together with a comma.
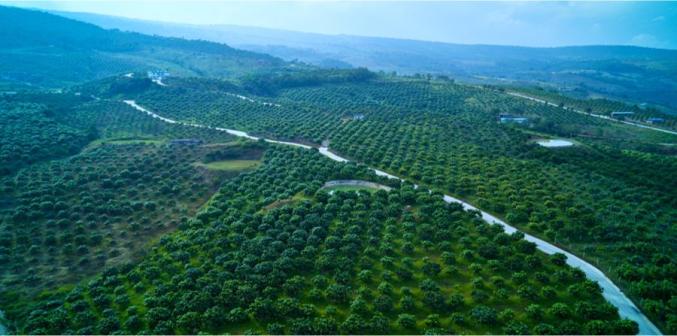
x: 113, y: 220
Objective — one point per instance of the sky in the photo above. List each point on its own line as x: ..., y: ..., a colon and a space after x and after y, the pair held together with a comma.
x: 641, y: 23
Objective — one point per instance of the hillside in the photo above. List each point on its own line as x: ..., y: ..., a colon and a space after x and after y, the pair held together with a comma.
x: 306, y: 262
x: 631, y: 74
x: 46, y: 50
x: 445, y: 136
x: 246, y: 195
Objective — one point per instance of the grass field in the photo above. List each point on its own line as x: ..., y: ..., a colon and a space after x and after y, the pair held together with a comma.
x: 230, y: 165
x: 123, y: 141
x: 133, y: 142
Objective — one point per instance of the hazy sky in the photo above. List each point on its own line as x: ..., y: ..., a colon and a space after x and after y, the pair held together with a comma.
x: 652, y: 24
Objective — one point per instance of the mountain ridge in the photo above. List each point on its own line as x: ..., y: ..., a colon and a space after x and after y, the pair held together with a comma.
x: 76, y: 51
x: 629, y: 73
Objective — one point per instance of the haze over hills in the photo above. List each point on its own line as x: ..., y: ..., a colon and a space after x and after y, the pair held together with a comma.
x: 631, y: 74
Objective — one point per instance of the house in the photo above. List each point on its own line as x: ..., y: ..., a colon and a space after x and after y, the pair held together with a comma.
x: 621, y: 114
x: 185, y: 142
x: 655, y: 120
x: 509, y: 118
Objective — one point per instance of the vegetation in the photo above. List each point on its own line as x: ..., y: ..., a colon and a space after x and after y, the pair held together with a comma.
x: 605, y: 199
x: 269, y: 84
x: 75, y: 52
x: 112, y: 221
x: 67, y: 218
x: 79, y: 214
x: 229, y: 165
x: 29, y: 134
x: 399, y: 262
x: 356, y: 188
x: 627, y: 73
x: 602, y: 106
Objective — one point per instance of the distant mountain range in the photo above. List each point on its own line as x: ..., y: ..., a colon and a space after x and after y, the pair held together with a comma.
x: 632, y: 74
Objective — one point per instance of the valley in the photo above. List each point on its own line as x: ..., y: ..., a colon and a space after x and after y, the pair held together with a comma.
x: 157, y: 185
x: 637, y: 75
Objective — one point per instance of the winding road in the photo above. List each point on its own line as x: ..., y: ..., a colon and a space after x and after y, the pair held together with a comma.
x: 611, y: 292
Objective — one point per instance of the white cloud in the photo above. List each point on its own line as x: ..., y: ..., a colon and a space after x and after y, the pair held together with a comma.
x: 647, y: 40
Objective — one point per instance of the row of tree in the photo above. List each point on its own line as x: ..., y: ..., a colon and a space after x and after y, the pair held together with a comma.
x: 319, y: 263
x: 603, y: 197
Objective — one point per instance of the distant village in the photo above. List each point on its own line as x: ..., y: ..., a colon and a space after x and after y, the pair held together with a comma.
x: 618, y: 115
x: 622, y: 115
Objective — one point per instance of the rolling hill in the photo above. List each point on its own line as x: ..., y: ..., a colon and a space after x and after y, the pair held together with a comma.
x: 632, y: 74
x: 73, y: 52
x: 198, y: 203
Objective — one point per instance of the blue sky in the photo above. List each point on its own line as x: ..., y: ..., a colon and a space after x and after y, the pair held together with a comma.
x: 650, y: 24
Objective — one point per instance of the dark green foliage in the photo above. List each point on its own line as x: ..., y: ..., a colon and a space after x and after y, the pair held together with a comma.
x: 602, y: 198
x: 50, y: 51
x: 602, y: 106
x: 249, y: 260
x: 260, y: 264
x: 66, y: 219
x: 129, y: 86
x: 30, y: 134
x: 267, y: 84
x: 72, y: 217
x: 624, y: 72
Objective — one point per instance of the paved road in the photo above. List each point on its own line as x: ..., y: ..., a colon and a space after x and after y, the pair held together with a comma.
x: 611, y: 292
x: 515, y: 94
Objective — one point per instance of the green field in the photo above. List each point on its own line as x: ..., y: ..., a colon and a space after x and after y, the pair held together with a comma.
x: 132, y: 142
x: 123, y: 141
x: 230, y: 165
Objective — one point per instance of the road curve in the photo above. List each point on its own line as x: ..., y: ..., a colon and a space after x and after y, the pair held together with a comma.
x: 611, y: 292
